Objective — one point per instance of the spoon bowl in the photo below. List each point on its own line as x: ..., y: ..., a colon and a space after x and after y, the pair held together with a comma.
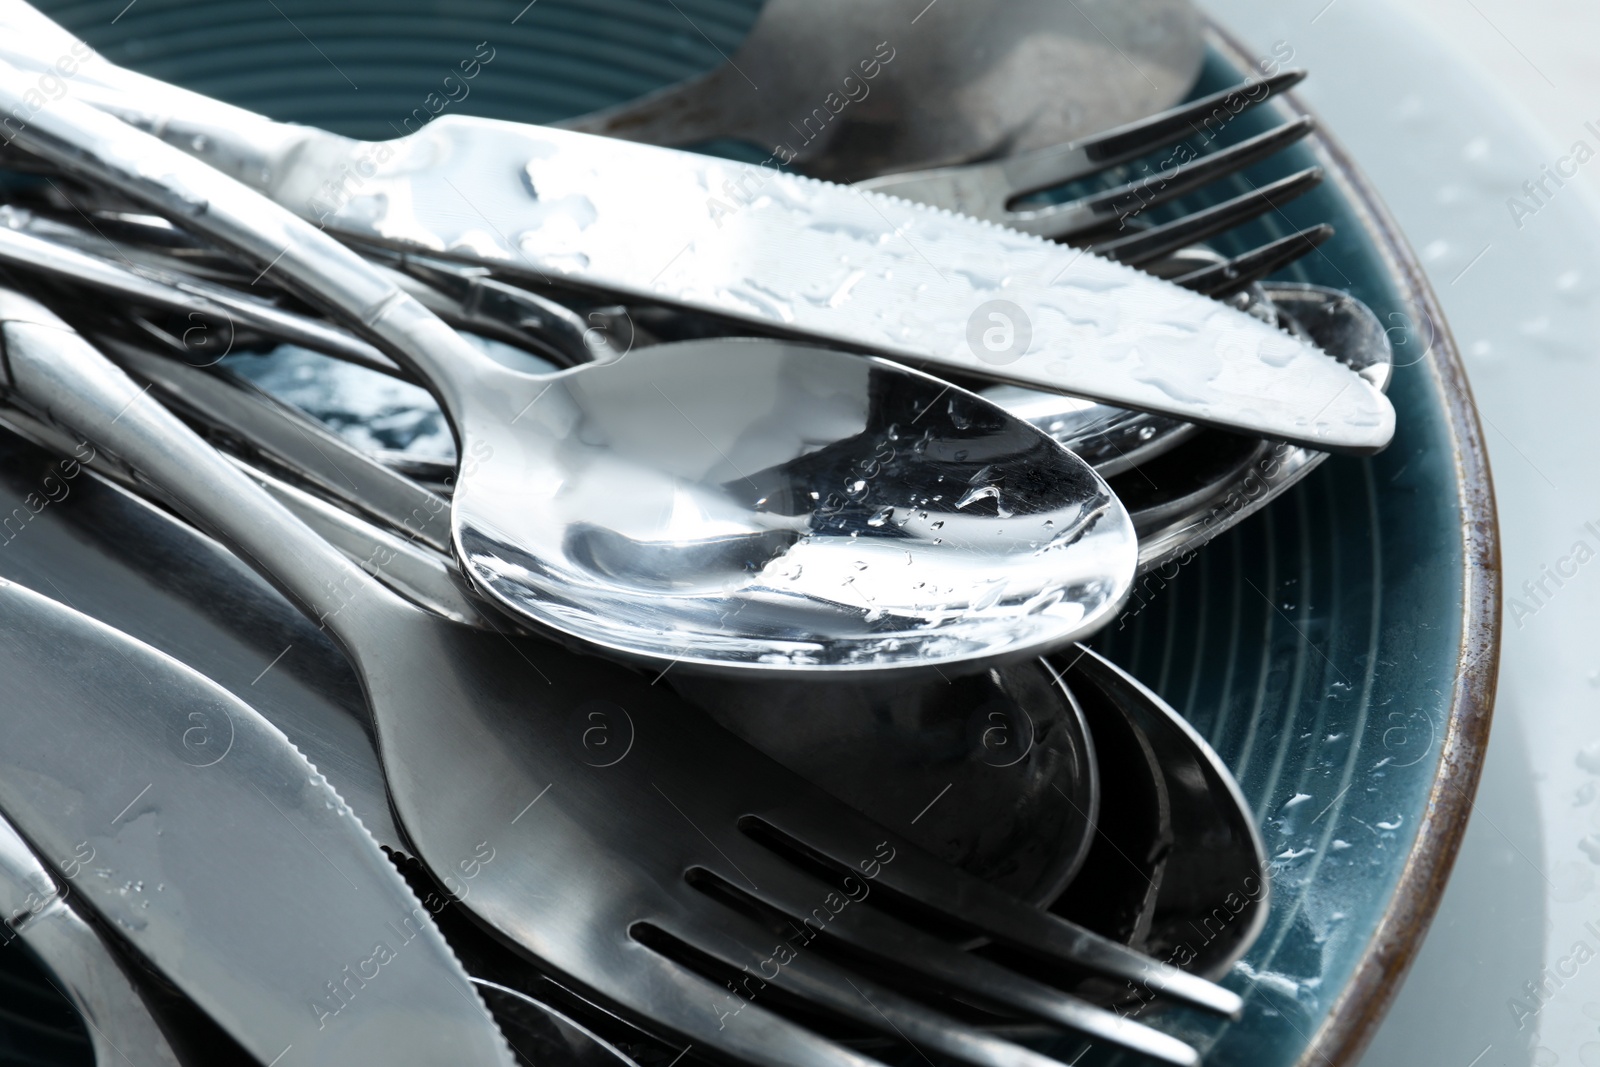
x: 737, y: 504
x: 1011, y: 743
x: 1210, y: 893
x: 1342, y: 326
x: 1184, y: 484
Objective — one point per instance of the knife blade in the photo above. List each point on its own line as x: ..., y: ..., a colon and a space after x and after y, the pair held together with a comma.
x: 220, y: 854
x: 537, y: 1028
x: 798, y: 256
x: 755, y: 244
x: 118, y: 557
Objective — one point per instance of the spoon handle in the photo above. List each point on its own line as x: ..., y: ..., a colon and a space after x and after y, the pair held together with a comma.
x: 83, y: 140
x: 54, y: 371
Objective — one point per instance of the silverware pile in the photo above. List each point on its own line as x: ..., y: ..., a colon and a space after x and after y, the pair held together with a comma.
x: 777, y: 511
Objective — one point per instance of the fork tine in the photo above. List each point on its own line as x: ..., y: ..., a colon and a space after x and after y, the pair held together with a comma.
x: 795, y: 896
x: 1224, y: 279
x: 835, y: 834
x: 1045, y: 168
x: 1141, y: 248
x: 732, y: 941
x: 1066, y: 220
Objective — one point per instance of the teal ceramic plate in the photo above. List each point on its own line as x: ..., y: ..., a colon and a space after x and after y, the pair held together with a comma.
x: 1340, y: 651
x: 1337, y: 649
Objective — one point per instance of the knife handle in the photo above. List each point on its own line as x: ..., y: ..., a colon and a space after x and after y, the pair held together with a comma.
x: 59, y: 375
x: 82, y: 140
x: 253, y: 149
x: 238, y: 141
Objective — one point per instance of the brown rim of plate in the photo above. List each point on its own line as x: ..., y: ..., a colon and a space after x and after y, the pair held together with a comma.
x: 1355, y: 1015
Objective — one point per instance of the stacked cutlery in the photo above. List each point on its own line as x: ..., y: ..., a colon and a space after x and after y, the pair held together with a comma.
x: 746, y: 467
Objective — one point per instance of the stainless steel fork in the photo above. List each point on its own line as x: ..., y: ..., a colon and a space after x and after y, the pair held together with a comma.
x: 1110, y: 222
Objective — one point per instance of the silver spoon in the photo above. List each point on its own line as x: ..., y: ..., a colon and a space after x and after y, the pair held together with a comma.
x: 1216, y: 860
x: 1009, y: 741
x: 721, y: 504
x: 847, y: 89
x: 839, y: 494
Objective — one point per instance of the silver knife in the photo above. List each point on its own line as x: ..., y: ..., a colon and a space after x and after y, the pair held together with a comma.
x: 82, y: 966
x: 757, y: 245
x: 203, y: 837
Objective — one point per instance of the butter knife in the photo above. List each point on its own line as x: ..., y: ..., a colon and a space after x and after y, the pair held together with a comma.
x: 203, y: 837
x: 754, y: 244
